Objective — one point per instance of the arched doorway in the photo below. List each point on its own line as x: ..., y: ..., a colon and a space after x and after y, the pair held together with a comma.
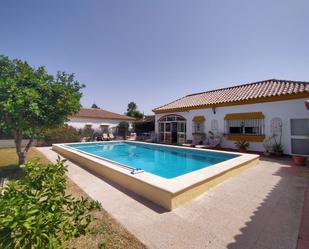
x: 172, y: 129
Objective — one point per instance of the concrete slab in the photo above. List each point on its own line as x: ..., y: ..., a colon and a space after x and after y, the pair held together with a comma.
x: 259, y: 208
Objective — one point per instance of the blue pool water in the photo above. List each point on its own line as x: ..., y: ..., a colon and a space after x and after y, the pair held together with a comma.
x: 167, y: 162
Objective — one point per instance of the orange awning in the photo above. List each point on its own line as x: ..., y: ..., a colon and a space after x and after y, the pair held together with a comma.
x: 246, y: 115
x: 199, y: 118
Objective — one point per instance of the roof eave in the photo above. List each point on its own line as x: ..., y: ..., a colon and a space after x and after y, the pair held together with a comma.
x: 242, y: 102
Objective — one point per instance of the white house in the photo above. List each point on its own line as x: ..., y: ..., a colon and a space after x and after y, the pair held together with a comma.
x: 250, y: 112
x: 97, y: 119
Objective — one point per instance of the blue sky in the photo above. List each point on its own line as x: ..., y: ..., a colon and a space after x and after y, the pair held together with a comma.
x: 154, y: 51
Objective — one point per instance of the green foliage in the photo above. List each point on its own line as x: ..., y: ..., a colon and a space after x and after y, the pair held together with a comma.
x: 35, y: 212
x: 31, y: 99
x: 87, y: 132
x: 63, y: 134
x: 102, y: 244
x: 95, y: 106
x: 132, y: 107
x: 242, y: 145
x: 132, y: 111
x: 277, y: 148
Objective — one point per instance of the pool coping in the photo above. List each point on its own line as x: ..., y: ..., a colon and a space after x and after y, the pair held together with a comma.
x: 169, y: 193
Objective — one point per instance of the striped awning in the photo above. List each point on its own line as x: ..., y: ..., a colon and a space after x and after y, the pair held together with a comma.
x: 199, y: 118
x: 246, y: 115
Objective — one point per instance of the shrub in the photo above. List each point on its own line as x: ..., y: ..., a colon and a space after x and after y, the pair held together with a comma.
x: 61, y: 135
x: 35, y: 212
x: 242, y: 145
x: 87, y: 132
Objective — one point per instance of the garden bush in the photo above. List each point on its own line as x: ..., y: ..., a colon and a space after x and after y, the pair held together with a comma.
x: 35, y: 212
x: 87, y: 132
x: 64, y: 134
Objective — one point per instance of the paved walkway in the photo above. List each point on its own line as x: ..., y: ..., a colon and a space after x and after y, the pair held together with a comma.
x: 258, y: 209
x: 303, y: 238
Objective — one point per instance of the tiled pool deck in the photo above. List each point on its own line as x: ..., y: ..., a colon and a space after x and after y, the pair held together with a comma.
x: 303, y: 238
x: 261, y: 208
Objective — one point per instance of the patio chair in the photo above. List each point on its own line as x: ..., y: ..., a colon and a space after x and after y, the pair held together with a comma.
x: 111, y: 136
x: 99, y: 138
x: 213, y: 143
x: 105, y: 137
x: 190, y: 143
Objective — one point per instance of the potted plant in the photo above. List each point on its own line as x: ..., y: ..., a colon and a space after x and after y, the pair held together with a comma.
x: 277, y: 149
x: 242, y: 146
x: 300, y: 160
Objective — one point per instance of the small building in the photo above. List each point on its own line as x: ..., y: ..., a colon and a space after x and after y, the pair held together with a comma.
x: 145, y: 128
x: 145, y: 125
x: 97, y: 119
x: 251, y: 112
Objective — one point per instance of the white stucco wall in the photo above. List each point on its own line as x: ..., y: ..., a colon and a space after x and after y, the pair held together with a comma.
x: 79, y: 123
x: 9, y: 143
x: 285, y: 110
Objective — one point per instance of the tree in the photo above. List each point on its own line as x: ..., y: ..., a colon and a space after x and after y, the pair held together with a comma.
x: 132, y: 107
x: 31, y: 100
x: 132, y: 111
x: 95, y: 106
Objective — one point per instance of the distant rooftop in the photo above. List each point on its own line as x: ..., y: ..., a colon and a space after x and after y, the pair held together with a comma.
x: 256, y: 92
x: 100, y: 114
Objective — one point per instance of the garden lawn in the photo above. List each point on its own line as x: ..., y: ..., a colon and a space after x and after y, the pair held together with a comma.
x: 104, y: 230
x: 8, y: 157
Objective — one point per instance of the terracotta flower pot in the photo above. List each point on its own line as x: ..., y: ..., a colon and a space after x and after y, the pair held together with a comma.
x: 299, y: 160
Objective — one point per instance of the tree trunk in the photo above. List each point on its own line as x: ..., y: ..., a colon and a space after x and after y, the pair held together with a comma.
x: 18, y: 141
x: 22, y: 153
x: 21, y: 157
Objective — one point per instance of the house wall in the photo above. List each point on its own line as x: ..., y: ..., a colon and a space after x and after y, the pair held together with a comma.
x: 10, y: 143
x: 79, y: 123
x: 285, y: 110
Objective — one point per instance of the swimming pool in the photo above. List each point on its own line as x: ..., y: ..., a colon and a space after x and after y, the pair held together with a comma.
x: 170, y: 175
x: 167, y: 162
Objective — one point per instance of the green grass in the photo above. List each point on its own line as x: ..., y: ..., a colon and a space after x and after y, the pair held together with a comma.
x: 9, y: 162
x: 8, y: 157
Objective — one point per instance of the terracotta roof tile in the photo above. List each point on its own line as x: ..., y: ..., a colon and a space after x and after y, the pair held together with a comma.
x: 256, y: 91
x: 100, y: 114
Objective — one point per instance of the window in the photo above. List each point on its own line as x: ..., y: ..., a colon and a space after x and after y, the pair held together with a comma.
x: 300, y: 127
x: 198, y: 124
x: 88, y: 125
x: 251, y: 123
x: 245, y: 126
x: 198, y: 127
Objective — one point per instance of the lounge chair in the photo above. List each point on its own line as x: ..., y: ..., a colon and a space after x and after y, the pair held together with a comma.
x: 213, y: 143
x: 190, y: 143
x: 111, y: 136
x: 99, y: 138
x: 105, y: 137
x: 132, y: 137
